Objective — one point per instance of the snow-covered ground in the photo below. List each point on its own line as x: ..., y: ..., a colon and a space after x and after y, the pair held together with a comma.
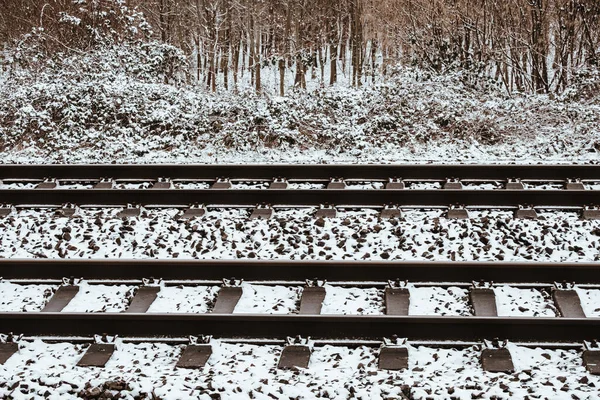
x: 590, y: 301
x: 184, y: 299
x: 515, y: 302
x: 296, y: 234
x: 100, y: 298
x: 244, y: 371
x: 15, y: 298
x: 363, y: 301
x: 365, y: 185
x: 257, y: 299
x: 452, y: 301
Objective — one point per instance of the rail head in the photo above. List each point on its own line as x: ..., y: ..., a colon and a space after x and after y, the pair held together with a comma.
x: 301, y: 171
x: 317, y: 326
x: 290, y: 270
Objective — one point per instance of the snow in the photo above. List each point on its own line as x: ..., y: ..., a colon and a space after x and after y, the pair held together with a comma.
x: 16, y: 298
x: 306, y: 185
x: 483, y: 186
x: 364, y: 185
x: 75, y: 186
x: 515, y: 302
x: 354, y: 301
x: 18, y: 185
x: 192, y: 185
x: 250, y: 185
x: 184, y: 299
x: 590, y: 301
x: 244, y: 371
x: 100, y: 298
x: 133, y: 185
x: 451, y: 301
x: 257, y: 299
x: 423, y: 185
x: 544, y: 186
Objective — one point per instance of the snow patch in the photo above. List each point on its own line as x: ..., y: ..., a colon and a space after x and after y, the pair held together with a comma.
x: 515, y: 302
x: 100, y: 298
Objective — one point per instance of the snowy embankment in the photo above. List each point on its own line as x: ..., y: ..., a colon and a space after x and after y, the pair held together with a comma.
x: 413, y: 117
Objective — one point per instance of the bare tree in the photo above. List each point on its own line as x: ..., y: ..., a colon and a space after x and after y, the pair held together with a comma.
x: 524, y: 45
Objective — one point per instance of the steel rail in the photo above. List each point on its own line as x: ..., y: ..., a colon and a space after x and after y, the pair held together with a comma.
x: 348, y: 343
x: 267, y: 172
x: 315, y: 326
x: 413, y: 271
x: 300, y: 197
x: 136, y: 284
x: 353, y: 343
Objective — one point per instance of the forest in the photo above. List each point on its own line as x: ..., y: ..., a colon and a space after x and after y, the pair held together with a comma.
x: 298, y: 80
x: 527, y: 46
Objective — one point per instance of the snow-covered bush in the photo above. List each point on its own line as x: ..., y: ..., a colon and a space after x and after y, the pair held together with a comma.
x: 92, y: 39
x: 64, y: 27
x: 585, y: 86
x: 62, y: 110
x: 145, y: 61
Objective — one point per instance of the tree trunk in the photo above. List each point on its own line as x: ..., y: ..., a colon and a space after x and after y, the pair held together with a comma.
x: 333, y: 63
x: 539, y: 70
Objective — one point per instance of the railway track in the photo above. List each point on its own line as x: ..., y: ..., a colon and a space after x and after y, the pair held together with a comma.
x: 93, y: 172
x: 571, y: 326
x: 164, y: 179
x: 567, y: 332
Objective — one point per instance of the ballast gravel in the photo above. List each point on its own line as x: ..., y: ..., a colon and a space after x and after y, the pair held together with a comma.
x: 296, y: 234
